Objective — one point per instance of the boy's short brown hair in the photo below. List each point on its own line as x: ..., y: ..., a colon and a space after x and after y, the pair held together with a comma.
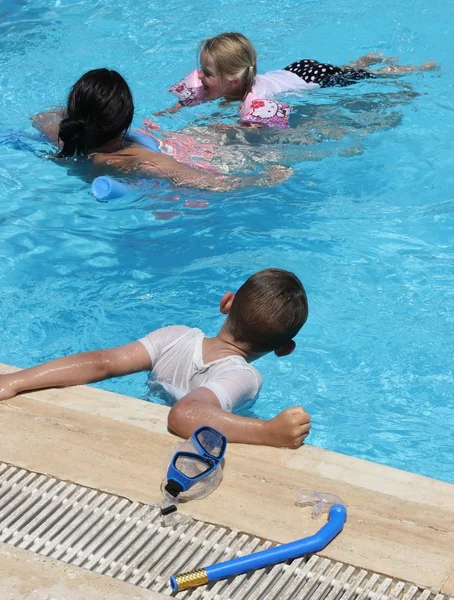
x: 268, y: 310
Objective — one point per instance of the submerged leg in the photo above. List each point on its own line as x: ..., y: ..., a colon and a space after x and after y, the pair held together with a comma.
x: 369, y: 59
x: 427, y: 66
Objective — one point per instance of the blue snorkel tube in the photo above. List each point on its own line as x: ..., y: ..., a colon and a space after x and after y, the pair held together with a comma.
x: 336, y: 519
x: 108, y: 188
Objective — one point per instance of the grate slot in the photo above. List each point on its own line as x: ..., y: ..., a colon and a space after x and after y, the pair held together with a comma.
x: 127, y: 540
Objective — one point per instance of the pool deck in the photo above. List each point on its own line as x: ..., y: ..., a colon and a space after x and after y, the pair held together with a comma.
x: 399, y: 524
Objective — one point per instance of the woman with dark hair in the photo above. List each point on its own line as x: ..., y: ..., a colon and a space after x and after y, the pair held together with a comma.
x: 96, y: 122
x: 100, y: 111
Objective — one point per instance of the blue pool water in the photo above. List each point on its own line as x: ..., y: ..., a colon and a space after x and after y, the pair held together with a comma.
x: 368, y: 228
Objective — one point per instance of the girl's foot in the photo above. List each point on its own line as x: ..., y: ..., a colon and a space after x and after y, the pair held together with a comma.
x: 430, y: 65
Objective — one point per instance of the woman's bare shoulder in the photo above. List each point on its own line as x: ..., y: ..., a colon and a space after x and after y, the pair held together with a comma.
x: 126, y: 158
x: 48, y: 123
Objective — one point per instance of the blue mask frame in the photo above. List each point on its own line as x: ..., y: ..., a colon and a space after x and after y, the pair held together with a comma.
x: 202, y: 445
x: 210, y: 445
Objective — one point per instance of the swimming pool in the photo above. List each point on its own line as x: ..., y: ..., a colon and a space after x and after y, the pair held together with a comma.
x: 370, y: 232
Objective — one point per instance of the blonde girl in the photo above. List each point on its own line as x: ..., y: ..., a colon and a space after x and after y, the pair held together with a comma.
x: 228, y: 69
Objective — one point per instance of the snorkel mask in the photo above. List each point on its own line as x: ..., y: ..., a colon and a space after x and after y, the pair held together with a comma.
x: 195, y: 469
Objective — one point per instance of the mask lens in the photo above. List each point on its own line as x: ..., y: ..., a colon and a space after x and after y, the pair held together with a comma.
x: 192, y: 466
x: 211, y: 441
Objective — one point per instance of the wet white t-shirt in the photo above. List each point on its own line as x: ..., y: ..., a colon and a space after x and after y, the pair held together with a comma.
x: 177, y: 363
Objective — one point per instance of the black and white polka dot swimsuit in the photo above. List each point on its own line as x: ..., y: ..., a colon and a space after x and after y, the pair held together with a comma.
x: 326, y: 75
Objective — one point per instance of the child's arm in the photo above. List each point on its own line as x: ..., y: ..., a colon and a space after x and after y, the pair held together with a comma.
x: 172, y: 109
x: 201, y: 407
x: 189, y: 92
x: 143, y: 161
x: 77, y: 369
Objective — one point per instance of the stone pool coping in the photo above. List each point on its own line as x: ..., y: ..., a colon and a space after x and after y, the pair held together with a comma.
x: 399, y: 524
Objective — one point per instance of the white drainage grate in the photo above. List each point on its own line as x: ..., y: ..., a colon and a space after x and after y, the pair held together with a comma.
x: 126, y: 540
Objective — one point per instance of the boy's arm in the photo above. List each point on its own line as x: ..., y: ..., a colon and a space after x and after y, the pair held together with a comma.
x: 201, y: 407
x: 77, y: 369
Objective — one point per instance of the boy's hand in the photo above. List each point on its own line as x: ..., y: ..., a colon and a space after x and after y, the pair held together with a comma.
x: 289, y: 428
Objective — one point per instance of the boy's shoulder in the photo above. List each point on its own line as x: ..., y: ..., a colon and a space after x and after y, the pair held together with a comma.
x: 235, y: 363
x: 174, y: 329
x: 164, y: 339
x: 174, y: 333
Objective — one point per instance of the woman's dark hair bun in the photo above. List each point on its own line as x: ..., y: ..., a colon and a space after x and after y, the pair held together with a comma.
x: 100, y: 108
x: 71, y: 128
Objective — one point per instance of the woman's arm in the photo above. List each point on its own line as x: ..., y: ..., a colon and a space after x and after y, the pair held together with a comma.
x: 180, y: 174
x: 141, y: 160
x: 77, y: 369
x: 48, y: 123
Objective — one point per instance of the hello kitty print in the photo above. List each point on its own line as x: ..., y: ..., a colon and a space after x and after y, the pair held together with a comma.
x: 189, y: 90
x: 265, y: 112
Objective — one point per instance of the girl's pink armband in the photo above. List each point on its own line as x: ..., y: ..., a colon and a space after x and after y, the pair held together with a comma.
x: 189, y: 90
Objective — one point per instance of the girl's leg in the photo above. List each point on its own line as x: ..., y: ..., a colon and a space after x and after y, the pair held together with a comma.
x: 369, y: 59
x: 427, y: 66
x: 326, y: 75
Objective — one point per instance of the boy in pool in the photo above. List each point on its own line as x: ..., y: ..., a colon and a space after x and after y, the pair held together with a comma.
x: 208, y: 377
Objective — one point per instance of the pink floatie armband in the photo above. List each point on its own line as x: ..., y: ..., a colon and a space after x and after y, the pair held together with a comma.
x: 189, y: 90
x: 265, y: 112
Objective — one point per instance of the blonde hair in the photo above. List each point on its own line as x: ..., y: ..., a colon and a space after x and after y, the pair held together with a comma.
x: 234, y: 57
